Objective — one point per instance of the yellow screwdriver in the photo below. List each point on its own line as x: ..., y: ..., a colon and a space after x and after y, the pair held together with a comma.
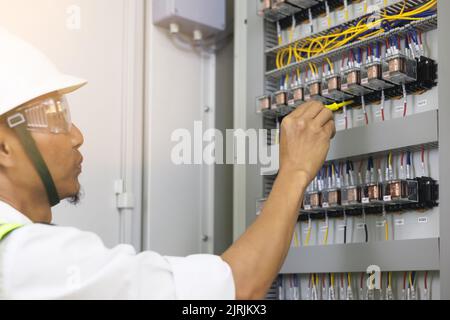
x: 336, y: 106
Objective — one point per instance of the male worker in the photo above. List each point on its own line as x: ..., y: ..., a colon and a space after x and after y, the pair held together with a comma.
x: 39, y: 166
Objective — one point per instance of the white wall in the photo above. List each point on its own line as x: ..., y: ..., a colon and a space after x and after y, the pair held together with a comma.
x: 181, y: 205
x: 173, y: 205
x: 94, y: 52
x: 179, y: 202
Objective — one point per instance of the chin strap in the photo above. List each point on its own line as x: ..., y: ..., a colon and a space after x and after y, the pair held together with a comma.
x: 18, y: 123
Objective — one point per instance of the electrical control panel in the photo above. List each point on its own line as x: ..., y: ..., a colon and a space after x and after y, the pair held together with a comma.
x: 375, y: 64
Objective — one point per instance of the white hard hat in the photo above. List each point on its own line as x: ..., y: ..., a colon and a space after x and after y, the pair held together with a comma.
x: 26, y: 73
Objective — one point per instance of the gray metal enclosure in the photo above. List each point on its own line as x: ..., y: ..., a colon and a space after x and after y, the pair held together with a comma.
x: 414, y: 246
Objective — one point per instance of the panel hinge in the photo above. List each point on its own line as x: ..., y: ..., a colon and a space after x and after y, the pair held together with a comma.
x: 124, y: 200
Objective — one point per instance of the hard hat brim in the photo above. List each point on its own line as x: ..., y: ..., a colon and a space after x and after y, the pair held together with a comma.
x: 63, y: 84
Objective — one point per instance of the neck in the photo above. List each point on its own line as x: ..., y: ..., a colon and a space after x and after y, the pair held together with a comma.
x: 34, y: 205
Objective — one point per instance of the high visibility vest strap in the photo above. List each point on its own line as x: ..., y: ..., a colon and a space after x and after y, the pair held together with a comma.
x: 7, y: 228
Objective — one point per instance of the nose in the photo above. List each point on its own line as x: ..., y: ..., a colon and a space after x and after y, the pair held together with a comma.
x: 76, y: 137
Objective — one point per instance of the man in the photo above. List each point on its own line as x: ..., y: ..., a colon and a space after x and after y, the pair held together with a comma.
x: 39, y: 166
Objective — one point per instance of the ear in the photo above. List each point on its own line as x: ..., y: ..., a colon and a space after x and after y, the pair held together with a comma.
x: 8, y: 143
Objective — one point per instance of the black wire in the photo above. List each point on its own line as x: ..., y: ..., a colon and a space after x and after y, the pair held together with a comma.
x: 345, y: 234
x: 366, y: 230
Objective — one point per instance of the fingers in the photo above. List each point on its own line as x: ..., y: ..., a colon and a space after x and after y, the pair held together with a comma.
x: 309, y: 109
x: 313, y: 109
x: 324, y: 117
x: 330, y: 129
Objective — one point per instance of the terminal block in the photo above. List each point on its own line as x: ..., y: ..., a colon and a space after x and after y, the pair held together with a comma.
x: 311, y: 201
x: 374, y: 71
x: 280, y: 99
x: 401, y: 69
x: 268, y: 12
x: 352, y: 84
x: 401, y: 191
x: 285, y: 7
x: 314, y: 91
x: 372, y: 194
x: 331, y: 88
x: 305, y: 4
x: 263, y: 103
x: 296, y: 96
x: 351, y: 197
x: 331, y: 199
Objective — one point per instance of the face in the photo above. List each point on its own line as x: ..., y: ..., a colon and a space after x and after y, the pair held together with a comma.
x: 60, y: 152
x: 63, y: 158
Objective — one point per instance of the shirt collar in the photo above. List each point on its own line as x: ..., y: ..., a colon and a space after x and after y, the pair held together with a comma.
x: 8, y: 214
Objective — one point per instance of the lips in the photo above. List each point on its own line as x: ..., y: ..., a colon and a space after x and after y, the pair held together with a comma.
x: 80, y: 165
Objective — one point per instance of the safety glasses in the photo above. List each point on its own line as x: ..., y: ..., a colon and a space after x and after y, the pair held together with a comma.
x: 50, y: 114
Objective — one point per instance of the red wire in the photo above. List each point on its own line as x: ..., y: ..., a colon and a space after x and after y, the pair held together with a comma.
x: 423, y: 154
x: 426, y: 280
x: 367, y: 117
x: 399, y: 43
x: 420, y: 37
x: 402, y: 157
x: 382, y: 114
x: 404, y: 281
x: 343, y: 60
x: 362, y: 280
x: 381, y: 280
x: 405, y: 109
x: 342, y: 280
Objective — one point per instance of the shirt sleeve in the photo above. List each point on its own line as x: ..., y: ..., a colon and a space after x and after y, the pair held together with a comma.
x: 202, y: 277
x: 44, y: 262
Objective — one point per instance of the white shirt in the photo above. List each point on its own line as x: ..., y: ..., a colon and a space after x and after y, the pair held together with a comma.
x: 47, y: 262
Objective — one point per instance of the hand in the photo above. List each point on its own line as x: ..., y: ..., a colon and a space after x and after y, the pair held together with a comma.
x: 305, y: 140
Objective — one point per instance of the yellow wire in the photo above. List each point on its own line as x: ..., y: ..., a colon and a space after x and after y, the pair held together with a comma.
x: 325, y: 43
x: 308, y: 236
x: 386, y: 230
x: 325, y: 238
x: 296, y: 239
x: 336, y: 106
x: 390, y: 280
x: 349, y: 279
x: 410, y: 280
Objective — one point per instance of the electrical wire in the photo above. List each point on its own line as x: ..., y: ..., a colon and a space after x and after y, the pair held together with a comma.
x: 423, y: 161
x: 313, y: 46
x: 308, y: 235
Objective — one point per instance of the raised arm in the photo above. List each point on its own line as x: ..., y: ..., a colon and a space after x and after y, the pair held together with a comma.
x: 257, y: 257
